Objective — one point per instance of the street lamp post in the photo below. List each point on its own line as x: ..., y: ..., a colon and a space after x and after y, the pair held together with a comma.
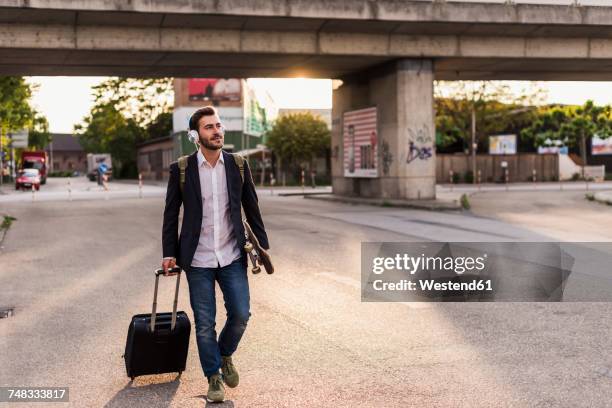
x: 474, y: 145
x: 1, y: 159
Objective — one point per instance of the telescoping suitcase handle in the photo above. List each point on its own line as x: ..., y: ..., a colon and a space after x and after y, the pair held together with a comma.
x: 178, y: 281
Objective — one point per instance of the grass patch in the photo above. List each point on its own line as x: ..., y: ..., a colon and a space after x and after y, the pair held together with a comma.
x: 6, y: 222
x: 590, y: 196
x: 465, y: 202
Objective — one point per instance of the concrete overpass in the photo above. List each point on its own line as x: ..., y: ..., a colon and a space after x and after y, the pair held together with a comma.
x: 387, y: 52
x: 319, y: 38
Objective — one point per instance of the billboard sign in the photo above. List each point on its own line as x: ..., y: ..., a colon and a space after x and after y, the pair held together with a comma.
x: 214, y: 89
x: 360, y: 141
x: 601, y: 146
x: 229, y: 115
x: 553, y: 150
x: 19, y: 139
x: 259, y: 111
x: 502, y: 144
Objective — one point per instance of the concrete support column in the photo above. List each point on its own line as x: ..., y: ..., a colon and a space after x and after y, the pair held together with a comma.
x: 416, y: 130
x: 403, y: 94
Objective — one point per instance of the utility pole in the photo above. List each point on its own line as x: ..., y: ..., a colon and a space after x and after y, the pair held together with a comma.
x: 474, y: 145
x: 263, y: 166
x: 1, y: 158
x: 12, y: 164
x: 51, y: 158
x: 583, y: 151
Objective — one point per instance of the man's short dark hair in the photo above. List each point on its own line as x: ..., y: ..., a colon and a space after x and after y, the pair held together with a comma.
x: 197, y: 115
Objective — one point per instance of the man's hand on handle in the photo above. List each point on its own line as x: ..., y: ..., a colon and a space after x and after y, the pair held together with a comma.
x: 168, y: 263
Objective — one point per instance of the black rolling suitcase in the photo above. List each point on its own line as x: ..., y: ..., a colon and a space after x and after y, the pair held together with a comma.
x: 158, y: 342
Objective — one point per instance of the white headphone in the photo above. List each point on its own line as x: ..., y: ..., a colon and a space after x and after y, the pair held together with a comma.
x: 194, y: 137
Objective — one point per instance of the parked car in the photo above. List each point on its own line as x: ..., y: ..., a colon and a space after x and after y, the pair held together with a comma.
x: 28, y: 178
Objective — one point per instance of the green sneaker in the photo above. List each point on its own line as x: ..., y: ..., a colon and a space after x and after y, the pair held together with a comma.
x: 216, y: 391
x: 230, y: 374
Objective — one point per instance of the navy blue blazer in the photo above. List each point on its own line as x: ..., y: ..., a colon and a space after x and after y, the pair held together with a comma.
x: 183, y: 246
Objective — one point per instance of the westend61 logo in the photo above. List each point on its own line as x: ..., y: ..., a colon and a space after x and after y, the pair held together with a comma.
x: 412, y: 264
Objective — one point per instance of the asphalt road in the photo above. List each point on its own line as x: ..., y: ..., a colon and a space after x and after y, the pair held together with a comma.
x: 80, y: 188
x: 77, y: 271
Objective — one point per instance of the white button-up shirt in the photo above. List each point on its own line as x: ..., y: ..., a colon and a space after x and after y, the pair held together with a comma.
x: 217, y: 245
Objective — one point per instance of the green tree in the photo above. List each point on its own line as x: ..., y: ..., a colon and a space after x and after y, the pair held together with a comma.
x: 297, y: 139
x: 106, y: 130
x: 39, y: 136
x: 160, y: 126
x: 15, y: 110
x: 496, y: 106
x: 16, y: 113
x: 140, y: 99
x: 127, y: 111
x: 571, y: 125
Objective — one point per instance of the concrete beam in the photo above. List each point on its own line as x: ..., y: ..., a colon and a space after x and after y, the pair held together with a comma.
x: 288, y: 43
x: 37, y: 36
x: 353, y: 44
x: 295, y: 42
x: 381, y: 10
x: 314, y: 38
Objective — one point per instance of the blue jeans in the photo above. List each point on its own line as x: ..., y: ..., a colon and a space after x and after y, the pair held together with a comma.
x: 234, y: 284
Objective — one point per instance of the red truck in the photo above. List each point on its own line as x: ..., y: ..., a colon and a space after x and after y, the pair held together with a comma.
x: 36, y: 160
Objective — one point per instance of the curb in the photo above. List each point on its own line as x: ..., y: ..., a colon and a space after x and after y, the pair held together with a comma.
x: 304, y: 193
x: 600, y: 197
x: 430, y: 205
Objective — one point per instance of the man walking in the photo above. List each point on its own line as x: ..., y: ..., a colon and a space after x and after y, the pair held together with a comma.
x: 210, y: 246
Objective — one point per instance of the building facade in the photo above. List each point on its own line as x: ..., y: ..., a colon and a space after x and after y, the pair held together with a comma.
x: 66, y: 153
x: 155, y: 156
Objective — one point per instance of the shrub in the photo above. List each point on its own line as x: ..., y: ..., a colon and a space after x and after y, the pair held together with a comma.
x: 7, y: 221
x: 465, y: 202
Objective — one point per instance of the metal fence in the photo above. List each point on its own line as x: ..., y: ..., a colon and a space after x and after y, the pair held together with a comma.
x: 495, y: 168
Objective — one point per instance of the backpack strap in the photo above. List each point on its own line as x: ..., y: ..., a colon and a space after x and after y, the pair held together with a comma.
x: 182, y: 164
x: 239, y: 160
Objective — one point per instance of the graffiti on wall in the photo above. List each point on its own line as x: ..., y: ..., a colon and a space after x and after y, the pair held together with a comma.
x: 387, y: 157
x: 420, y: 144
x: 416, y: 152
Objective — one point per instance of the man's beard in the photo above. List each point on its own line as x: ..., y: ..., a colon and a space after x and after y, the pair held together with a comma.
x: 209, y: 146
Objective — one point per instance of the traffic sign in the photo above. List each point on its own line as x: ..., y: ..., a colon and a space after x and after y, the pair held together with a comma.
x: 19, y: 138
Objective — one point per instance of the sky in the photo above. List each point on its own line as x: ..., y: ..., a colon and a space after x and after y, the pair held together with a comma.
x: 66, y: 100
